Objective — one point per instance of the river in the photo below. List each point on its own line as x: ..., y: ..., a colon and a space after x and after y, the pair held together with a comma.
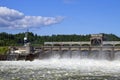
x: 60, y: 69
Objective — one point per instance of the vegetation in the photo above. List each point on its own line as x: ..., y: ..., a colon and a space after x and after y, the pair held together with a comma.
x: 3, y: 50
x: 17, y: 39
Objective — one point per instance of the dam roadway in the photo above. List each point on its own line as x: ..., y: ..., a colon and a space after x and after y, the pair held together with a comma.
x: 105, y: 46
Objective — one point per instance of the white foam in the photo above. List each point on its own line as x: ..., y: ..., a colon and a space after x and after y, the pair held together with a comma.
x: 83, y: 65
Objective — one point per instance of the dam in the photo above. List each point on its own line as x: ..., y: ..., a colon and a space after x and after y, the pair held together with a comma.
x: 96, y: 48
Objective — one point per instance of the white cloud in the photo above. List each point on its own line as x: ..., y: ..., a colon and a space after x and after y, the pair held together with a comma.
x: 11, y: 18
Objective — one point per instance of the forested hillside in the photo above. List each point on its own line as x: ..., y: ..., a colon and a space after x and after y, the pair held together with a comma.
x: 17, y: 39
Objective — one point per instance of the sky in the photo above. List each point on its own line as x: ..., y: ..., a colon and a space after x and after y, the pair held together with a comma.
x: 48, y: 17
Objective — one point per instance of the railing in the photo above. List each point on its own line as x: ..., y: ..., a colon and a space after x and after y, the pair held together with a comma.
x: 103, y: 48
x: 113, y: 43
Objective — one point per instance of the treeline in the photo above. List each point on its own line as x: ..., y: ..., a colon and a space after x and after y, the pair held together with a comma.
x: 18, y: 39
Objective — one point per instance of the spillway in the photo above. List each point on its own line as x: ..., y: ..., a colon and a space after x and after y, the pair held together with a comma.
x: 97, y: 55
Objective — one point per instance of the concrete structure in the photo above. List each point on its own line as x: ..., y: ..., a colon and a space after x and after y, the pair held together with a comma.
x: 96, y: 44
x: 28, y: 48
x: 96, y: 39
x: 112, y: 43
x: 23, y: 50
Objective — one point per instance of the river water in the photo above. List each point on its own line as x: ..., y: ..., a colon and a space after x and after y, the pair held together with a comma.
x: 60, y: 69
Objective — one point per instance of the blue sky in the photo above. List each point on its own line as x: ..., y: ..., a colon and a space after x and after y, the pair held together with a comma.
x: 65, y: 16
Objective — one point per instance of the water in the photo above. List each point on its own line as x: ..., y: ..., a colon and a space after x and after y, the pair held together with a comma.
x: 60, y: 69
x: 72, y: 66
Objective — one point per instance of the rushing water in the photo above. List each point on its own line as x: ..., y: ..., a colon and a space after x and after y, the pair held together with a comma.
x: 72, y: 66
x: 60, y: 69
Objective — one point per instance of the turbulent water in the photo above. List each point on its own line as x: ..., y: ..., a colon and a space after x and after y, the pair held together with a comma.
x: 60, y: 69
x: 72, y: 66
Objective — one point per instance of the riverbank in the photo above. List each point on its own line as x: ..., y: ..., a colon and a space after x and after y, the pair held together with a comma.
x: 4, y: 50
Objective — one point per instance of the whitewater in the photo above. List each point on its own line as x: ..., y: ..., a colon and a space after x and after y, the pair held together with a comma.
x: 60, y: 69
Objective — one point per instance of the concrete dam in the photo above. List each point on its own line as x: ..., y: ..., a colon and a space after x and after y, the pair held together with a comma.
x: 96, y: 48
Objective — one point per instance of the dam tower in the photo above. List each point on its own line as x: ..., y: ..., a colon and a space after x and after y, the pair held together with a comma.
x: 27, y: 43
x: 96, y: 39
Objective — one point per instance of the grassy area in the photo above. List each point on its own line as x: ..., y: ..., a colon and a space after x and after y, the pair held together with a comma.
x: 3, y: 50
